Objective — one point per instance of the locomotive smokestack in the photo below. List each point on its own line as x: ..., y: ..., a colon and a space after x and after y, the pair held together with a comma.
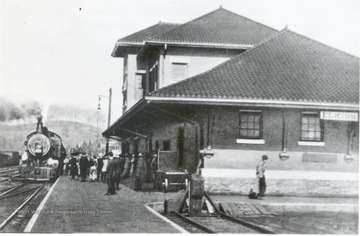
x: 39, y: 125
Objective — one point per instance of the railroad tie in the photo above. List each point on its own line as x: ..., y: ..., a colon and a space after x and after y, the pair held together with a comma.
x: 262, y: 209
x: 254, y: 209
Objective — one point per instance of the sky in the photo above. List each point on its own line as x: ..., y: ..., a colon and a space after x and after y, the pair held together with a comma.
x: 59, y: 51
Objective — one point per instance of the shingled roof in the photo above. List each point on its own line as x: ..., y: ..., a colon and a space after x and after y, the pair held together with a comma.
x: 285, y: 67
x: 139, y: 37
x: 149, y: 32
x: 217, y: 27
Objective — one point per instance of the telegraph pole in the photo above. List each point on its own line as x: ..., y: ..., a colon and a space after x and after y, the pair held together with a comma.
x: 109, y: 118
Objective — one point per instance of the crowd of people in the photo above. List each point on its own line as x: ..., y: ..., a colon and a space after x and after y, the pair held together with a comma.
x: 110, y: 169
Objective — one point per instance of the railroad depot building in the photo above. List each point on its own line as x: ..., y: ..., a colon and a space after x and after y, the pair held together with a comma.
x: 237, y: 89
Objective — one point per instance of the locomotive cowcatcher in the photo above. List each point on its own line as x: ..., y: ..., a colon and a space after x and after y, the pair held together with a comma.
x: 44, y: 155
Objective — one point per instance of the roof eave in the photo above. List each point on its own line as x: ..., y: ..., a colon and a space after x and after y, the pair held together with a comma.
x: 128, y: 114
x: 202, y: 45
x: 255, y: 102
x: 194, y: 45
x: 120, y: 46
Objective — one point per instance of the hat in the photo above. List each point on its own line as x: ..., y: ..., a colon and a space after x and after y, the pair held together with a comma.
x: 75, y: 154
x: 265, y: 157
x: 140, y: 154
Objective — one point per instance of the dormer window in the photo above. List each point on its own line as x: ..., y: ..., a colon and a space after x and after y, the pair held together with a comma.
x: 179, y: 71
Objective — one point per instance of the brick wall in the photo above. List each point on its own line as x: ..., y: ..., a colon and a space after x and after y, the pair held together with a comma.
x: 221, y: 132
x: 226, y: 125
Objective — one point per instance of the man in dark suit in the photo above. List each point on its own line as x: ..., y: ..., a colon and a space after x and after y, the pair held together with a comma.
x: 111, y: 175
x: 99, y: 166
x: 84, y: 162
x: 118, y: 171
x: 74, y: 167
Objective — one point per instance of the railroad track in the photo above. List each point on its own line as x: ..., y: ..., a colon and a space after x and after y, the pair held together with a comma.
x: 8, y: 167
x: 17, y: 203
x: 9, y: 173
x: 217, y: 222
x: 220, y: 223
x: 4, y: 172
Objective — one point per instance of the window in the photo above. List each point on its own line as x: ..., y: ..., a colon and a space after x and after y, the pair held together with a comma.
x: 166, y: 145
x: 153, y: 77
x: 311, y: 127
x: 250, y: 125
x: 139, y: 81
x: 179, y: 71
x: 125, y: 81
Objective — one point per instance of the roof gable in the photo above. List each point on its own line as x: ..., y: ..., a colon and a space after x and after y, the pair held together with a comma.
x: 218, y: 27
x: 138, y: 38
x: 142, y: 35
x: 287, y: 67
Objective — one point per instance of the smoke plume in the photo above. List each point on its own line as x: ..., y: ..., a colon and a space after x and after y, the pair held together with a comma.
x: 10, y: 110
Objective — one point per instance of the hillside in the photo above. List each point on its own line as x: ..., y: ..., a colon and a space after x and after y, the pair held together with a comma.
x: 73, y: 134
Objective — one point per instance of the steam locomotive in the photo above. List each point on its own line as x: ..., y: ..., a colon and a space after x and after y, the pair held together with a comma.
x: 44, y: 155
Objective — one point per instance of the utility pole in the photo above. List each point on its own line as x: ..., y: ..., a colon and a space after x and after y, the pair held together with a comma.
x: 97, y: 128
x: 109, y: 118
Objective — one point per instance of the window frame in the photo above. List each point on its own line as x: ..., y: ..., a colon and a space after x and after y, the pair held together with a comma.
x: 186, y: 66
x: 166, y: 143
x: 321, y: 126
x: 139, y: 83
x: 260, y: 129
x: 154, y: 77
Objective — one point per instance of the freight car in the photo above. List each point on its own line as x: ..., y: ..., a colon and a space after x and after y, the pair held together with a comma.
x: 9, y: 158
x: 44, y: 155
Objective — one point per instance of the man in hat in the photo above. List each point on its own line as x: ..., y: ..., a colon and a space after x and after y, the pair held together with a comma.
x: 99, y: 166
x: 260, y: 170
x: 117, y: 171
x: 84, y: 163
x: 111, y: 174
x: 74, y: 167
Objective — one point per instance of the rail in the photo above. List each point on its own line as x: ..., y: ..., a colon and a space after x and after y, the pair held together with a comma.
x: 28, y: 199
